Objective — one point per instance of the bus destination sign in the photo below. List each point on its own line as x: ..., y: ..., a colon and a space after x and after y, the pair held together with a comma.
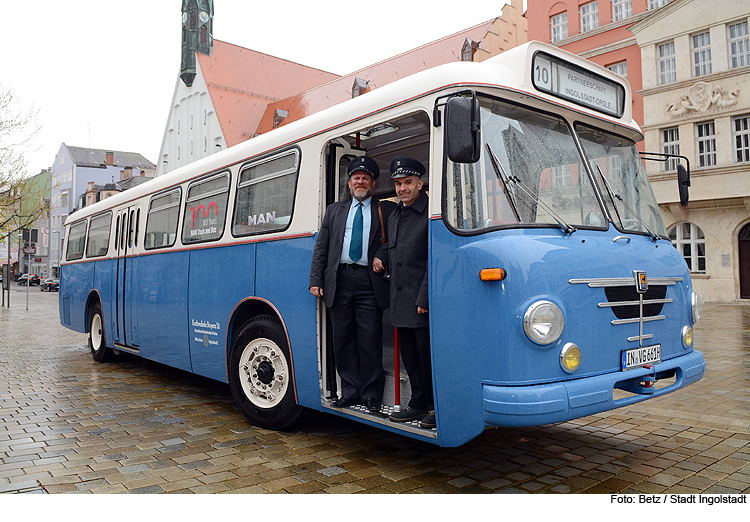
x: 577, y: 85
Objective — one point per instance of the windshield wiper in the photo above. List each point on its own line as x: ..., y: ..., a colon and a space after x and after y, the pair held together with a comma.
x: 651, y: 233
x: 502, y: 176
x: 611, y: 196
x: 504, y: 179
x: 567, y: 229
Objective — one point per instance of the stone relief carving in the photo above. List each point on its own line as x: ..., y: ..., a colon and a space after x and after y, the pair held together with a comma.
x: 702, y: 97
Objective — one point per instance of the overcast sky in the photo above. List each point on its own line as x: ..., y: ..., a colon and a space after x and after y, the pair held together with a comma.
x: 101, y: 73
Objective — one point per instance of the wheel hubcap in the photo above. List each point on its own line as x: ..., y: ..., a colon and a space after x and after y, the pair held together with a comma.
x: 264, y: 373
x: 96, y: 332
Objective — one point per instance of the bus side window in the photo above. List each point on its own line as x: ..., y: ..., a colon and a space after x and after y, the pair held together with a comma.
x: 99, y: 230
x: 137, y: 222
x: 76, y: 241
x: 162, y: 220
x: 117, y: 232
x: 122, y: 231
x: 206, y: 209
x: 131, y: 229
x: 265, y: 194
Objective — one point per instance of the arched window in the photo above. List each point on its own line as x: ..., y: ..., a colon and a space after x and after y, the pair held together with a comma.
x: 689, y: 239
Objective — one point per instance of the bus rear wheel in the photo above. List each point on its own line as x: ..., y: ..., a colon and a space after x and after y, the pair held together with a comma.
x: 260, y: 374
x: 97, y: 342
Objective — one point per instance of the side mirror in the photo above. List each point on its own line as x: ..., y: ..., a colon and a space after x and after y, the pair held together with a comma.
x: 462, y: 119
x: 683, y: 182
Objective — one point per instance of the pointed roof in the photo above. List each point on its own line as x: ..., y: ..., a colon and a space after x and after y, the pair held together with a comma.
x: 439, y: 52
x: 242, y: 82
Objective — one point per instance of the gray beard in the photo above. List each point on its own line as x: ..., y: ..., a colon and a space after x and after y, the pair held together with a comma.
x: 367, y: 193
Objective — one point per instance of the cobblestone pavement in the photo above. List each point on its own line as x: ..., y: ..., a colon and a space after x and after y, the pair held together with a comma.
x: 70, y: 425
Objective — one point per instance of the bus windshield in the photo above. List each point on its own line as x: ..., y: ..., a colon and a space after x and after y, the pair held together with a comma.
x: 530, y: 173
x: 619, y: 171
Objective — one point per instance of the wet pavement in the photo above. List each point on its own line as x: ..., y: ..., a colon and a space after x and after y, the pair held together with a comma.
x: 70, y: 425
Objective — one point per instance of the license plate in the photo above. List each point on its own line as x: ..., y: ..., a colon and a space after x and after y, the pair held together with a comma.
x: 638, y: 357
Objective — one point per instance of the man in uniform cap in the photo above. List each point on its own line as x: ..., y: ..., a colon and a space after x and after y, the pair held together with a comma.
x: 405, y: 256
x: 341, y: 274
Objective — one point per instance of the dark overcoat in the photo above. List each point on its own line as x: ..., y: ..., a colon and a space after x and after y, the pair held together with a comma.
x: 327, y: 252
x: 405, y: 256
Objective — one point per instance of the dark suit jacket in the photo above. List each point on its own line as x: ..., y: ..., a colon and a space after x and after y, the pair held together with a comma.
x: 405, y: 255
x: 327, y: 253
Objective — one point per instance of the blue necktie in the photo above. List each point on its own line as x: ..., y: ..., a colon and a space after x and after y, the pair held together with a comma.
x: 355, y: 247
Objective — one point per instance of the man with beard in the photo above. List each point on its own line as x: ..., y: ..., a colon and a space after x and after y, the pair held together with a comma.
x: 341, y: 274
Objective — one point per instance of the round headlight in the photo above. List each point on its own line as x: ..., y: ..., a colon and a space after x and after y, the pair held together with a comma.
x: 697, y: 306
x: 687, y: 336
x: 543, y: 322
x: 570, y: 357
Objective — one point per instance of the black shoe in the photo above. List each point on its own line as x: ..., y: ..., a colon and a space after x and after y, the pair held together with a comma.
x: 428, y: 421
x: 372, y: 404
x: 344, y: 402
x: 407, y: 415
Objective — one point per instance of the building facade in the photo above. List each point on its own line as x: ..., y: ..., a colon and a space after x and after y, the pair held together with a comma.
x: 71, y: 172
x: 696, y: 95
x: 686, y: 61
x: 31, y: 214
x: 598, y: 31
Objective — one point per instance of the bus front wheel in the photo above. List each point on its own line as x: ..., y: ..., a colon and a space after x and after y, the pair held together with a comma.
x: 97, y: 342
x: 260, y: 374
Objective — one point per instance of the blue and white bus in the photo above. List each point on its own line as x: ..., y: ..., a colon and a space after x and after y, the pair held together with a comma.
x: 555, y: 292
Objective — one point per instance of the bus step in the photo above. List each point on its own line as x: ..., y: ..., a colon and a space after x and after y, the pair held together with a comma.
x: 381, y: 417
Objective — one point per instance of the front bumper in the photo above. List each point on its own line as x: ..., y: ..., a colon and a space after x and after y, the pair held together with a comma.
x: 562, y: 401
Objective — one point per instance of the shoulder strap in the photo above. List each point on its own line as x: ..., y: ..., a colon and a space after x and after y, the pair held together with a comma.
x: 382, y: 228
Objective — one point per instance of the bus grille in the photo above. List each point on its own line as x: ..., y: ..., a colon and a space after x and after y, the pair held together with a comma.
x: 624, y: 301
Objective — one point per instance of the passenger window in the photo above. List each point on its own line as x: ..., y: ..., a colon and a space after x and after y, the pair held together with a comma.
x: 99, y: 230
x: 161, y: 220
x: 122, y: 231
x: 76, y: 241
x: 205, y: 209
x: 117, y: 231
x: 131, y: 229
x: 137, y: 223
x: 265, y: 194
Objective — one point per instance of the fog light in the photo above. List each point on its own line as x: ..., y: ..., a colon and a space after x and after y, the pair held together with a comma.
x: 570, y: 357
x: 543, y: 322
x: 687, y: 336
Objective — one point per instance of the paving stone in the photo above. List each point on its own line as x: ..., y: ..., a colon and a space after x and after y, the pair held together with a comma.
x: 138, y: 427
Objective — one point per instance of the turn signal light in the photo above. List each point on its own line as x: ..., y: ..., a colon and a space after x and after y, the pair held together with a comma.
x: 492, y: 274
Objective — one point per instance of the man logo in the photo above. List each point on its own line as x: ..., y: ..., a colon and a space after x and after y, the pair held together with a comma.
x: 641, y: 281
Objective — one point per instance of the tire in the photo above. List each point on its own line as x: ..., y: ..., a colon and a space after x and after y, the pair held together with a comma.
x: 260, y: 374
x: 97, y: 342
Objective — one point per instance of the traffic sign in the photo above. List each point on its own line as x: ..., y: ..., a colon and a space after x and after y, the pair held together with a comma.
x: 29, y: 250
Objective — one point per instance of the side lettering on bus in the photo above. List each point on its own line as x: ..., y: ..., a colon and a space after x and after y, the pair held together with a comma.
x: 195, y: 210
x: 206, y: 329
x: 259, y: 219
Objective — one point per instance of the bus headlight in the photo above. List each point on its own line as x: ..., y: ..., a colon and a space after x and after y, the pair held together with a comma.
x: 543, y: 322
x: 570, y: 357
x: 697, y: 306
x: 687, y: 336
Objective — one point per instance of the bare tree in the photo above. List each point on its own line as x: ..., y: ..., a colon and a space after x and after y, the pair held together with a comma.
x: 22, y: 200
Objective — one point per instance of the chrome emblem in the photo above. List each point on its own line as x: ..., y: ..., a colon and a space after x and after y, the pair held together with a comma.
x: 641, y: 282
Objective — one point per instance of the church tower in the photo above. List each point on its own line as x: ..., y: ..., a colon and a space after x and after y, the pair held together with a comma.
x: 197, y: 35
